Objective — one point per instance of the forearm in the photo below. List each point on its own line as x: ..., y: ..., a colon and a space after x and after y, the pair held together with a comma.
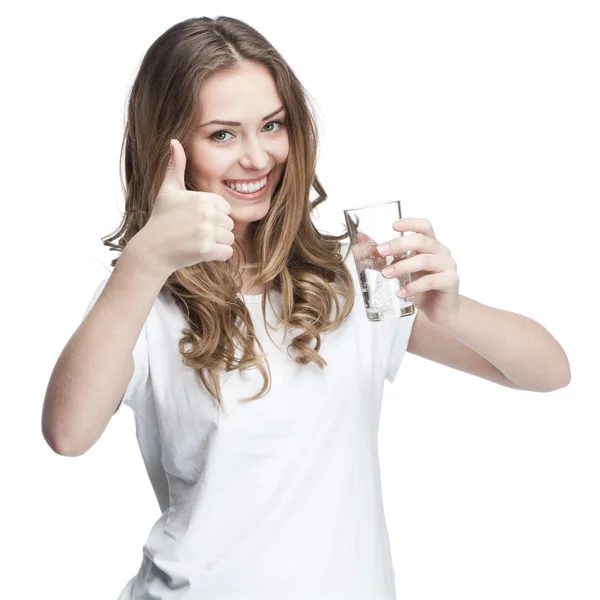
x: 95, y: 366
x: 522, y: 349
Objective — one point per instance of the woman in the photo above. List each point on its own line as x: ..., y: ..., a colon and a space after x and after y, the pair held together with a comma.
x: 265, y: 465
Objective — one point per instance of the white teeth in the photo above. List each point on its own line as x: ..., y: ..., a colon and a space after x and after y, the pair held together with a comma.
x: 247, y: 188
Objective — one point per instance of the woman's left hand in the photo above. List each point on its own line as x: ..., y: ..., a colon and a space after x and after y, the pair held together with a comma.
x: 435, y: 280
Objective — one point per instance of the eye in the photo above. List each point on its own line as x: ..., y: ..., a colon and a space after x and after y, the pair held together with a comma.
x: 221, y: 141
x: 212, y: 137
x: 281, y: 123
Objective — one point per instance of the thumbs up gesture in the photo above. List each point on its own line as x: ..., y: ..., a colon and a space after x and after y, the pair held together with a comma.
x: 186, y: 227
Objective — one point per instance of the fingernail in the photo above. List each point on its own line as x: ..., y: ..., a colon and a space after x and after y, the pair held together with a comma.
x: 399, y: 224
x: 383, y: 248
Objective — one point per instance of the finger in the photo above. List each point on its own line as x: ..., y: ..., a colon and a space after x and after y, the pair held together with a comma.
x: 417, y: 241
x: 364, y: 246
x: 220, y: 203
x: 224, y: 221
x: 444, y: 281
x: 223, y: 244
x: 174, y: 177
x: 414, y: 264
x: 367, y: 255
x: 224, y: 236
x: 223, y: 252
x: 364, y: 238
x: 417, y: 225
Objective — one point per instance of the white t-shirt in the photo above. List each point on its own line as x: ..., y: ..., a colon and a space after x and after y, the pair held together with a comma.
x: 281, y: 496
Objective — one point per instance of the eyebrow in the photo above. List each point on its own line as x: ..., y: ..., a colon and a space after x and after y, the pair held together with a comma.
x: 236, y: 124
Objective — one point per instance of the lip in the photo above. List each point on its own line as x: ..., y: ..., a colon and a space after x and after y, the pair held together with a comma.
x: 255, y: 195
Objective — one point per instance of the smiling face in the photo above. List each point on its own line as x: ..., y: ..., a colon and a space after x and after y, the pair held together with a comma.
x: 245, y: 152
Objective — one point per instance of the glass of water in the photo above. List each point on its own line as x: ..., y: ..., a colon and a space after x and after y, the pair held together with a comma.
x: 368, y: 227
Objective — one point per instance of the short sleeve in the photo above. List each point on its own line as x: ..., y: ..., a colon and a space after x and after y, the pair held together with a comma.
x: 139, y: 386
x: 400, y: 339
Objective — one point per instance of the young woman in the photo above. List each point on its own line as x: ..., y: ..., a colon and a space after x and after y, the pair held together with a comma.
x: 264, y: 462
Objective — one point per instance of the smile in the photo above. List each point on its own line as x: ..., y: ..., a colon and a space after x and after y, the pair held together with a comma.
x: 251, y: 191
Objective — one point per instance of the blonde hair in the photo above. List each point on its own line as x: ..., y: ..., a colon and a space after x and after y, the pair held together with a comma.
x: 292, y: 256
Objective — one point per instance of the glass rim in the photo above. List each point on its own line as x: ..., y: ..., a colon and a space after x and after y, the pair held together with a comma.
x: 346, y: 210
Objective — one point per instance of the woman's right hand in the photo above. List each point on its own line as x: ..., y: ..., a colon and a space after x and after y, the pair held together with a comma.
x: 185, y: 227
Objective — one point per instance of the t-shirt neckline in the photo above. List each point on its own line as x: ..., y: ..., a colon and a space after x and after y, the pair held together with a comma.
x: 252, y: 298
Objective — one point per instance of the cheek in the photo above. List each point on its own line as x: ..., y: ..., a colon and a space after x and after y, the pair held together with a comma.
x: 282, y: 151
x: 208, y: 165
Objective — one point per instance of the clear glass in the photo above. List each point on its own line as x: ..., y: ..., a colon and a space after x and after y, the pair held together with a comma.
x: 370, y: 226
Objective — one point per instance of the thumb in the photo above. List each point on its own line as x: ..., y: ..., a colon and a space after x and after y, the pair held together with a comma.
x: 174, y: 177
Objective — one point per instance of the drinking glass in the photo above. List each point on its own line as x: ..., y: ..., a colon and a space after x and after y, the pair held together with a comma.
x: 368, y: 227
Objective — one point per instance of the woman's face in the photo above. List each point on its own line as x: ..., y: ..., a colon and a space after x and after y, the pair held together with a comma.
x: 240, y: 153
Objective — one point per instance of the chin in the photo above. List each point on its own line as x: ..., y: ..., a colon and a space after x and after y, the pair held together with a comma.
x: 249, y: 213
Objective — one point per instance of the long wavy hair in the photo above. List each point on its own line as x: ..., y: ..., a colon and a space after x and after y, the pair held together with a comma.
x: 292, y: 256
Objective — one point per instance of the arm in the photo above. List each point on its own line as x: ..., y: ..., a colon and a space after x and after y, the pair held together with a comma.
x: 96, y: 365
x: 504, y: 347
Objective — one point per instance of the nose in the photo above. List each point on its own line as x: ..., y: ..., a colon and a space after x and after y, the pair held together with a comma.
x: 254, y: 156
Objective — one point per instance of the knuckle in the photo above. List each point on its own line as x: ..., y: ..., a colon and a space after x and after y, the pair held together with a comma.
x: 202, y: 229
x: 206, y: 211
x: 204, y: 246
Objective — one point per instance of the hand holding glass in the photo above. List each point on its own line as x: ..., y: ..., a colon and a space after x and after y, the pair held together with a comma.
x: 368, y: 227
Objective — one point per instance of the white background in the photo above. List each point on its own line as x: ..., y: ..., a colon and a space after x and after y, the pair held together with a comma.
x: 483, y: 117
